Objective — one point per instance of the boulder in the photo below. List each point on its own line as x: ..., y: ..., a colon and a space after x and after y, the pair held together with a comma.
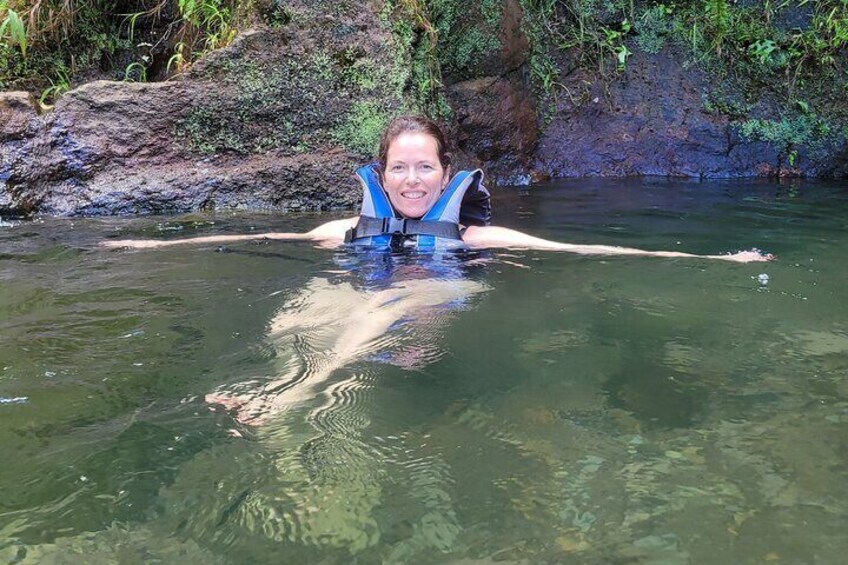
x: 258, y: 125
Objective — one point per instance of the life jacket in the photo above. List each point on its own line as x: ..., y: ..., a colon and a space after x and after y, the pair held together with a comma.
x: 464, y: 201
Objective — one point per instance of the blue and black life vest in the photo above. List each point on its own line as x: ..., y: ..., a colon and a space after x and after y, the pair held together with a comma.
x: 464, y: 202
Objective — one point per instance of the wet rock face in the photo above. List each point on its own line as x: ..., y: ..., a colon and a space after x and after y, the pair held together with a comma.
x: 17, y: 113
x: 497, y: 125
x: 18, y: 125
x: 649, y: 123
x: 255, y: 125
x: 655, y: 120
x: 496, y: 122
x: 281, y: 118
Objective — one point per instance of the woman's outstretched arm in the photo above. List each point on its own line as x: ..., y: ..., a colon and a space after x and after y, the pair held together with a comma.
x: 328, y: 232
x: 491, y: 236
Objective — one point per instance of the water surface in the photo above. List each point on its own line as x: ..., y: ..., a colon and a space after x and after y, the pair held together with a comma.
x: 273, y: 402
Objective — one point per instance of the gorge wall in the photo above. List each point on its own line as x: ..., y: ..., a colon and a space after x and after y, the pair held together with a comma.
x: 280, y: 118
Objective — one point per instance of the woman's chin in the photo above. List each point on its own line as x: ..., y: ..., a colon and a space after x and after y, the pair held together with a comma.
x: 411, y: 213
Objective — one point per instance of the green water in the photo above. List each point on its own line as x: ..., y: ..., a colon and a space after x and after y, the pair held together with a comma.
x: 277, y: 403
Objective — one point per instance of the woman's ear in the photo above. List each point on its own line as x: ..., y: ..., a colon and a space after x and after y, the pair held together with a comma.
x: 447, y: 176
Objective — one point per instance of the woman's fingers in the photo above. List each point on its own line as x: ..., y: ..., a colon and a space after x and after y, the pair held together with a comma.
x: 752, y: 256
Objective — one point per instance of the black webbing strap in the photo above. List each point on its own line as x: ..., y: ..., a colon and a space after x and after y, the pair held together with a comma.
x: 368, y: 227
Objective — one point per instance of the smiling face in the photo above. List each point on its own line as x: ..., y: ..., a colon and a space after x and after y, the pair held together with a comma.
x: 414, y: 177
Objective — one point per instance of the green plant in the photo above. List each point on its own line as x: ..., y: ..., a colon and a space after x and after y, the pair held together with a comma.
x: 208, y: 24
x: 787, y: 134
x: 360, y: 131
x: 792, y: 157
x: 652, y: 28
x: 537, y: 25
x: 416, y: 51
x: 466, y: 36
x: 135, y: 72
x: 762, y: 51
x: 177, y: 62
x: 275, y: 13
x: 718, y: 19
x: 58, y: 86
x: 40, y: 38
x: 613, y: 41
x: 12, y: 28
x: 322, y: 64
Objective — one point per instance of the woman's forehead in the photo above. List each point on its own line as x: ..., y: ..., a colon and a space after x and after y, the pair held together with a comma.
x: 417, y: 145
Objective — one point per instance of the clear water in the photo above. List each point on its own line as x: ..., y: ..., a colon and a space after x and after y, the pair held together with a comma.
x: 278, y: 403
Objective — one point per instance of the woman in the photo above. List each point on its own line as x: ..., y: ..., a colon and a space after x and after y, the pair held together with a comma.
x: 414, y: 170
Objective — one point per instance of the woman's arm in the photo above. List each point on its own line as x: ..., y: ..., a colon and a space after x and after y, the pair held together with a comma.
x: 328, y: 232
x: 491, y: 236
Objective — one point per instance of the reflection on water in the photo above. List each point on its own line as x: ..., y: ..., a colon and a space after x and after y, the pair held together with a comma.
x: 278, y: 403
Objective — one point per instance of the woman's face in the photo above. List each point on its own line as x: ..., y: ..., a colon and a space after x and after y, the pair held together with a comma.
x: 414, y: 178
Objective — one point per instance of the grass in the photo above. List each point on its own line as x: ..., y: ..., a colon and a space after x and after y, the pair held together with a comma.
x: 44, y: 43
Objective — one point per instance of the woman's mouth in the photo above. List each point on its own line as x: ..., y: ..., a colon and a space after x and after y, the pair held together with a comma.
x: 414, y: 194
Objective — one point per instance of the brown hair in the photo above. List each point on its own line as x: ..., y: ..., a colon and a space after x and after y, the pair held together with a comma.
x: 413, y: 124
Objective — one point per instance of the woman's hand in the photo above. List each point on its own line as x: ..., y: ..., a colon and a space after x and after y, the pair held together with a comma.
x: 750, y: 256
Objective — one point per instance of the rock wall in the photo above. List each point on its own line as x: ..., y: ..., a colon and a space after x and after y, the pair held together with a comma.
x: 267, y: 123
x: 281, y: 118
x: 654, y: 119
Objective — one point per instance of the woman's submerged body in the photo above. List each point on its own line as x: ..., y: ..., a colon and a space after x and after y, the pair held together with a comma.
x: 331, y: 324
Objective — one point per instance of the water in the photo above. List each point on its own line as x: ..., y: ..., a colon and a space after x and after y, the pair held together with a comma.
x: 276, y: 403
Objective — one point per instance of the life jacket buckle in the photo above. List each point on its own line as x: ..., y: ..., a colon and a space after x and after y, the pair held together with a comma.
x: 394, y: 226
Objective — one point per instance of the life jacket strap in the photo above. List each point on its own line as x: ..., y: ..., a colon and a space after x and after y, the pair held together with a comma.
x: 369, y: 227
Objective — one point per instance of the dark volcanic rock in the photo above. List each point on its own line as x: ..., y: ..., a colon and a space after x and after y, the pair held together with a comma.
x: 17, y: 114
x: 648, y: 123
x: 652, y: 121
x: 497, y: 125
x: 251, y: 126
x: 282, y: 117
x: 496, y: 122
x: 18, y: 123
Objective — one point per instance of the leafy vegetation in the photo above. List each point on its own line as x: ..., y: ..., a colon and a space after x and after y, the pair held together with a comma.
x: 788, y: 134
x: 362, y: 129
x: 795, y: 49
x: 43, y: 43
x: 46, y: 44
x: 432, y: 38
